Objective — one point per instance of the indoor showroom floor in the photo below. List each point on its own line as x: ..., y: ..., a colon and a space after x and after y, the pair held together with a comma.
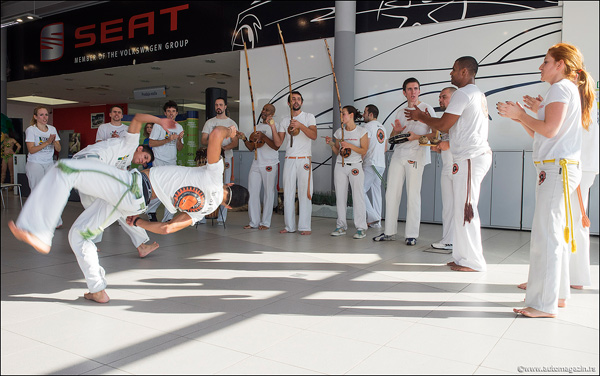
x: 215, y: 300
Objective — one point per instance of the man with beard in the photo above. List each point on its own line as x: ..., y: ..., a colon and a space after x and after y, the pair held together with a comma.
x: 165, y: 145
x: 297, y: 170
x: 115, y: 128
x: 222, y: 120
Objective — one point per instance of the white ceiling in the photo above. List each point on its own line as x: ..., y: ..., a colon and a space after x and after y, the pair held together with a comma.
x: 186, y: 79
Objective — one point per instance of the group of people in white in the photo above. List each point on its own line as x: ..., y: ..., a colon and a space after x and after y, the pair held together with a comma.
x: 565, y: 153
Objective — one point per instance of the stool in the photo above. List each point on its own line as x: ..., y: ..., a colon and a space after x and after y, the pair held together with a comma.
x: 7, y: 187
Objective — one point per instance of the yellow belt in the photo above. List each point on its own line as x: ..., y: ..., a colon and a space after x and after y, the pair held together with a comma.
x: 567, y: 197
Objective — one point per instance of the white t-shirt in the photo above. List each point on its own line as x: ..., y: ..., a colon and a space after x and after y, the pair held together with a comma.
x: 35, y: 135
x: 590, y: 152
x: 302, y: 144
x: 265, y: 156
x: 567, y: 142
x: 172, y: 183
x: 377, y: 139
x: 214, y: 122
x: 468, y: 137
x: 352, y: 137
x: 116, y: 152
x: 167, y: 152
x: 411, y: 150
x: 107, y: 130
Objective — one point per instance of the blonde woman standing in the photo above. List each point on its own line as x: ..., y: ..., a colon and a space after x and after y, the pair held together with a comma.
x: 42, y: 141
x: 557, y: 135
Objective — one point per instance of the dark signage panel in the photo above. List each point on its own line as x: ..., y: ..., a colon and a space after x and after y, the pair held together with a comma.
x: 119, y: 33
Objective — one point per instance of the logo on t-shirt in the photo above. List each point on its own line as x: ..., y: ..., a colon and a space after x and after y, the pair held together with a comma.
x: 380, y: 135
x: 269, y: 168
x: 454, y: 169
x: 189, y: 199
x: 355, y: 171
x: 542, y: 177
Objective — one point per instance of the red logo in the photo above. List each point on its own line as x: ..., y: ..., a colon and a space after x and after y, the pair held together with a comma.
x: 189, y: 199
x: 226, y: 165
x: 52, y: 42
x: 307, y: 167
x: 542, y: 177
x: 354, y: 171
x: 269, y: 168
x: 454, y: 169
x: 380, y: 135
x: 411, y: 162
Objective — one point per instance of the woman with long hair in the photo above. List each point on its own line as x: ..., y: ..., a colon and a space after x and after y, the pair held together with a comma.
x: 349, y: 170
x: 42, y: 141
x: 557, y: 135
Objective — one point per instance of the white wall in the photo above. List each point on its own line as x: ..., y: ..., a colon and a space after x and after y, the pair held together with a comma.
x: 580, y: 28
x: 25, y: 112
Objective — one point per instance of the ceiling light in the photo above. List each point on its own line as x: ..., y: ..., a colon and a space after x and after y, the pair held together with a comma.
x: 19, y: 19
x: 41, y: 100
x: 198, y: 106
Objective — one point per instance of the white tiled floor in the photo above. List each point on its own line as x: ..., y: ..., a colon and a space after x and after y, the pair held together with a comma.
x: 214, y: 300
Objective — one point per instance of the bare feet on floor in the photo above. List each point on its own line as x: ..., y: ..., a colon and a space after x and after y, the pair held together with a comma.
x: 29, y: 238
x: 523, y: 286
x: 284, y: 231
x: 99, y: 297
x: 458, y: 268
x: 562, y: 303
x: 261, y: 227
x: 248, y: 227
x: 306, y: 233
x: 145, y: 249
x: 532, y: 312
x: 577, y: 287
x: 451, y: 263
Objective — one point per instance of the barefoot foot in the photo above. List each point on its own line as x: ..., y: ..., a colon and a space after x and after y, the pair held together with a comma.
x: 451, y: 263
x: 523, y: 286
x: 562, y: 303
x: 284, y: 231
x: 145, y: 249
x: 458, y: 268
x: 306, y: 233
x: 29, y: 238
x: 532, y: 312
x: 248, y: 227
x: 261, y: 227
x: 99, y: 297
x: 577, y: 287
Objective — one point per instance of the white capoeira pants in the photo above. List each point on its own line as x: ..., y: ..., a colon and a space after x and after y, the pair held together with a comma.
x: 228, y: 162
x: 296, y: 173
x: 96, y: 179
x: 265, y: 176
x: 35, y: 172
x: 352, y: 173
x: 373, y: 184
x: 467, y: 246
x: 137, y: 235
x: 549, y: 252
x: 447, y: 209
x: 579, y: 262
x: 398, y: 171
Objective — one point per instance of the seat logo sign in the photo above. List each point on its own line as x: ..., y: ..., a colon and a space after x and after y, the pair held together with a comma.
x: 52, y: 42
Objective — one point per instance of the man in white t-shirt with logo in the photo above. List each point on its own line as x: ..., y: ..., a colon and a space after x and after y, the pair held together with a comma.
x: 165, y: 145
x: 194, y: 191
x: 407, y: 163
x: 222, y: 120
x: 115, y: 128
x: 466, y: 120
x: 297, y: 170
x: 264, y: 169
x: 445, y: 245
x: 374, y: 164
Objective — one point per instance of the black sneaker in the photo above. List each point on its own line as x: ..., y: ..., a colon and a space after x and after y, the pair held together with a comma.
x: 411, y: 241
x: 152, y: 217
x: 384, y: 238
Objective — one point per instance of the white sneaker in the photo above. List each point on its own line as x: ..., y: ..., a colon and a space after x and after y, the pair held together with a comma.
x: 376, y: 224
x: 445, y: 246
x: 360, y: 234
x: 383, y: 238
x: 338, y: 232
